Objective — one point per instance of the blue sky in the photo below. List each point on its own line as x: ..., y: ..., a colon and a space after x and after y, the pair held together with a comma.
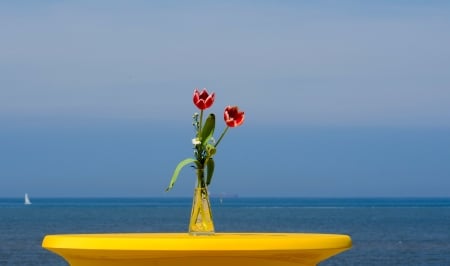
x: 343, y: 98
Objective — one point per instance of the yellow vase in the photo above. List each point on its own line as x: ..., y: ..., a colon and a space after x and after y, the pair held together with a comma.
x: 201, y: 222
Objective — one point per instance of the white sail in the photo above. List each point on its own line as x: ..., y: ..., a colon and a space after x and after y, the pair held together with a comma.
x: 27, y: 199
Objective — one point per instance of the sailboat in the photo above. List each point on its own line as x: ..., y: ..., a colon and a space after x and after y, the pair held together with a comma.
x: 27, y: 200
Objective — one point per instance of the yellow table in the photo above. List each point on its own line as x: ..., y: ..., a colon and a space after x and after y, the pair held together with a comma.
x: 182, y: 249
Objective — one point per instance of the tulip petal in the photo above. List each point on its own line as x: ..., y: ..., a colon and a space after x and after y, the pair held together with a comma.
x: 203, y: 99
x: 233, y: 117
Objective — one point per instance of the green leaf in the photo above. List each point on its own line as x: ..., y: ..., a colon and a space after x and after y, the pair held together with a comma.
x: 209, y: 170
x: 208, y: 129
x: 177, y: 171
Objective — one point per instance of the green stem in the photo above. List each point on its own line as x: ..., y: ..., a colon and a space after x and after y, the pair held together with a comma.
x: 221, y: 136
x: 200, y: 124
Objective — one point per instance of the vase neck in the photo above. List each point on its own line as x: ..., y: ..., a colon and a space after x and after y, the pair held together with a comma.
x: 201, y: 183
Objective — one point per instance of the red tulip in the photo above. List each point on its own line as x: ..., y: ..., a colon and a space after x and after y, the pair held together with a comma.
x: 233, y: 117
x: 203, y: 99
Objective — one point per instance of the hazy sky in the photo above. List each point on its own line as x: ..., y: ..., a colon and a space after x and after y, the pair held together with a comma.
x: 343, y: 98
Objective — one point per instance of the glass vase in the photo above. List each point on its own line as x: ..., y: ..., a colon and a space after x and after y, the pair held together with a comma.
x: 201, y: 222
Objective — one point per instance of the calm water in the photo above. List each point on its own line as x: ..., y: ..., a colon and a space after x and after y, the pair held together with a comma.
x: 384, y: 231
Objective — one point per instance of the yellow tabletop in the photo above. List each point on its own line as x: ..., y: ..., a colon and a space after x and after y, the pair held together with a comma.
x: 263, y: 249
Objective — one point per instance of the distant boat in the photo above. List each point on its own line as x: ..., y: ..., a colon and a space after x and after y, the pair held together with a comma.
x: 27, y: 200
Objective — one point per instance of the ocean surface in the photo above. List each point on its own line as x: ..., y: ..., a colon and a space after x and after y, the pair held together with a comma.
x: 384, y: 231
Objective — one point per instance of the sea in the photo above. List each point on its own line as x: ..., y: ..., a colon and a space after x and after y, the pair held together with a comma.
x: 385, y: 231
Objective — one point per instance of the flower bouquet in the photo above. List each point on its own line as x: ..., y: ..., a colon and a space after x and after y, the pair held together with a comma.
x: 205, y: 147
